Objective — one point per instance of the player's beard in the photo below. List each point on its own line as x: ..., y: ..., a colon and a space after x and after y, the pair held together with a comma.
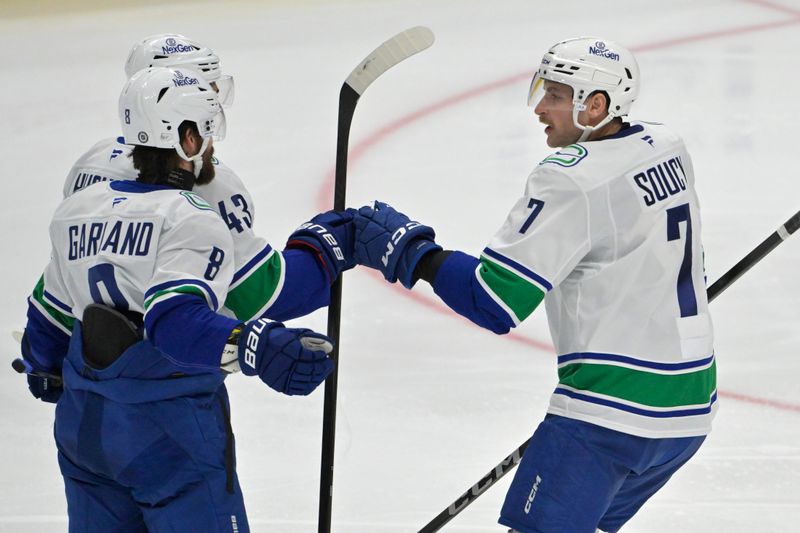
x: 207, y: 172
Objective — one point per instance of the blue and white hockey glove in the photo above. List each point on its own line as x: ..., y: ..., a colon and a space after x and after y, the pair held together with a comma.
x: 42, y: 382
x: 389, y: 241
x: 291, y: 361
x: 330, y: 236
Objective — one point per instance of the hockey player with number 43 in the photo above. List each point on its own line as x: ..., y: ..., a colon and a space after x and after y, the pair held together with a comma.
x: 607, y: 233
x: 278, y: 284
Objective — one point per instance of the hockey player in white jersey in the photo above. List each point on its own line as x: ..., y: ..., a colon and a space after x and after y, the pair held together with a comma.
x: 278, y: 284
x: 128, y: 313
x: 607, y: 233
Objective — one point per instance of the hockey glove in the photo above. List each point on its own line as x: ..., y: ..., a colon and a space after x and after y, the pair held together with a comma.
x: 330, y: 236
x: 42, y: 382
x: 291, y: 361
x: 389, y: 241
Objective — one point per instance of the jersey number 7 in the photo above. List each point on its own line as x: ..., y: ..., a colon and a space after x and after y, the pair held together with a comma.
x: 537, y: 206
x: 687, y: 301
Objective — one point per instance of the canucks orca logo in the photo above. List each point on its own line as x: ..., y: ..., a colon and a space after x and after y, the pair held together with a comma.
x: 196, y: 201
x: 569, y: 156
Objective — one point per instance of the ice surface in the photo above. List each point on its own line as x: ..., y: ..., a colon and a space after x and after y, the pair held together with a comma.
x: 427, y: 402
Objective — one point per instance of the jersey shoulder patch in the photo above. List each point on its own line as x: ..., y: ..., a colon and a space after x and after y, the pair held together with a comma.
x: 568, y: 156
x: 196, y: 200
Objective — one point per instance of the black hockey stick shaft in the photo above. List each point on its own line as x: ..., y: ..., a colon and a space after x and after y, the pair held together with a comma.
x: 348, y: 98
x: 393, y: 51
x: 511, y: 460
x: 756, y: 255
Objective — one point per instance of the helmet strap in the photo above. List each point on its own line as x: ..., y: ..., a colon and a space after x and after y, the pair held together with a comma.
x: 587, y: 130
x: 196, y: 159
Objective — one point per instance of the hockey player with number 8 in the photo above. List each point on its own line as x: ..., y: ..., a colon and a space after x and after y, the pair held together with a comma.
x: 607, y: 234
x: 142, y: 424
x: 276, y: 284
x: 279, y: 285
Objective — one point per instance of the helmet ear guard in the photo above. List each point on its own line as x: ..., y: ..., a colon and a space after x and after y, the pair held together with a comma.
x: 587, y: 65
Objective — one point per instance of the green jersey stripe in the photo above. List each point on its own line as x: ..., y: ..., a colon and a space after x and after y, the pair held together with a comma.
x: 517, y: 293
x: 641, y: 387
x: 61, y: 320
x: 255, y: 292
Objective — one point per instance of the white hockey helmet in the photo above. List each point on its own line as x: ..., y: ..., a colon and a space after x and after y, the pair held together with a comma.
x: 156, y: 101
x: 174, y: 50
x: 589, y: 64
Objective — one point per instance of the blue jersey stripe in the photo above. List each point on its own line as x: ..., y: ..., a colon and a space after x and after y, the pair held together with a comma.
x: 58, y: 303
x: 638, y: 410
x: 175, y: 283
x: 252, y: 263
x: 513, y: 264
x: 566, y: 358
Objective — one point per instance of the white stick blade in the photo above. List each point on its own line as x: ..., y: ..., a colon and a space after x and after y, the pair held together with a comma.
x: 401, y: 46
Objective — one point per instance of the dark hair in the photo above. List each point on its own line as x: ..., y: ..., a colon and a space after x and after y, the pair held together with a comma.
x: 154, y: 164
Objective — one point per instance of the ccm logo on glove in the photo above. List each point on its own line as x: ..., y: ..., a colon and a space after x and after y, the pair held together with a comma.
x: 395, y: 238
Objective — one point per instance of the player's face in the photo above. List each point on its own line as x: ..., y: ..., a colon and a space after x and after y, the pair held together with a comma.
x: 554, y: 109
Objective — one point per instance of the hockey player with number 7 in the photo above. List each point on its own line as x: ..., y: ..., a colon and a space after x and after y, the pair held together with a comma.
x: 142, y: 424
x: 607, y: 233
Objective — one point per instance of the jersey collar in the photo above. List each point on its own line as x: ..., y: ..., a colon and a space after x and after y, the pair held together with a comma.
x: 627, y: 129
x: 136, y: 186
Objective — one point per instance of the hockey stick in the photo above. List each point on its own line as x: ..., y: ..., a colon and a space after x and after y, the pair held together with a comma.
x: 24, y: 367
x: 21, y: 366
x: 400, y: 47
x: 716, y: 288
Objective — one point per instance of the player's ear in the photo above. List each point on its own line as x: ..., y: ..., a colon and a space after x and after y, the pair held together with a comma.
x: 597, y: 104
x: 190, y: 141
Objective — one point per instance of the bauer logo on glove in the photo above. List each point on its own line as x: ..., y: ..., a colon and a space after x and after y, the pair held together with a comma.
x: 291, y: 361
x: 327, y: 236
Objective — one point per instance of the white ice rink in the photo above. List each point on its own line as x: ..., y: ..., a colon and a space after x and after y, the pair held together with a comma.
x: 428, y: 403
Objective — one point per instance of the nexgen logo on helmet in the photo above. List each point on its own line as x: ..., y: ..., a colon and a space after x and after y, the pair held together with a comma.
x: 588, y: 65
x: 599, y: 49
x: 172, y: 46
x: 181, y: 80
x: 174, y: 50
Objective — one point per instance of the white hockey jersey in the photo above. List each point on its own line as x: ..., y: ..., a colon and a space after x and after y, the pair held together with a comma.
x: 132, y: 247
x: 259, y: 270
x: 610, y: 231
